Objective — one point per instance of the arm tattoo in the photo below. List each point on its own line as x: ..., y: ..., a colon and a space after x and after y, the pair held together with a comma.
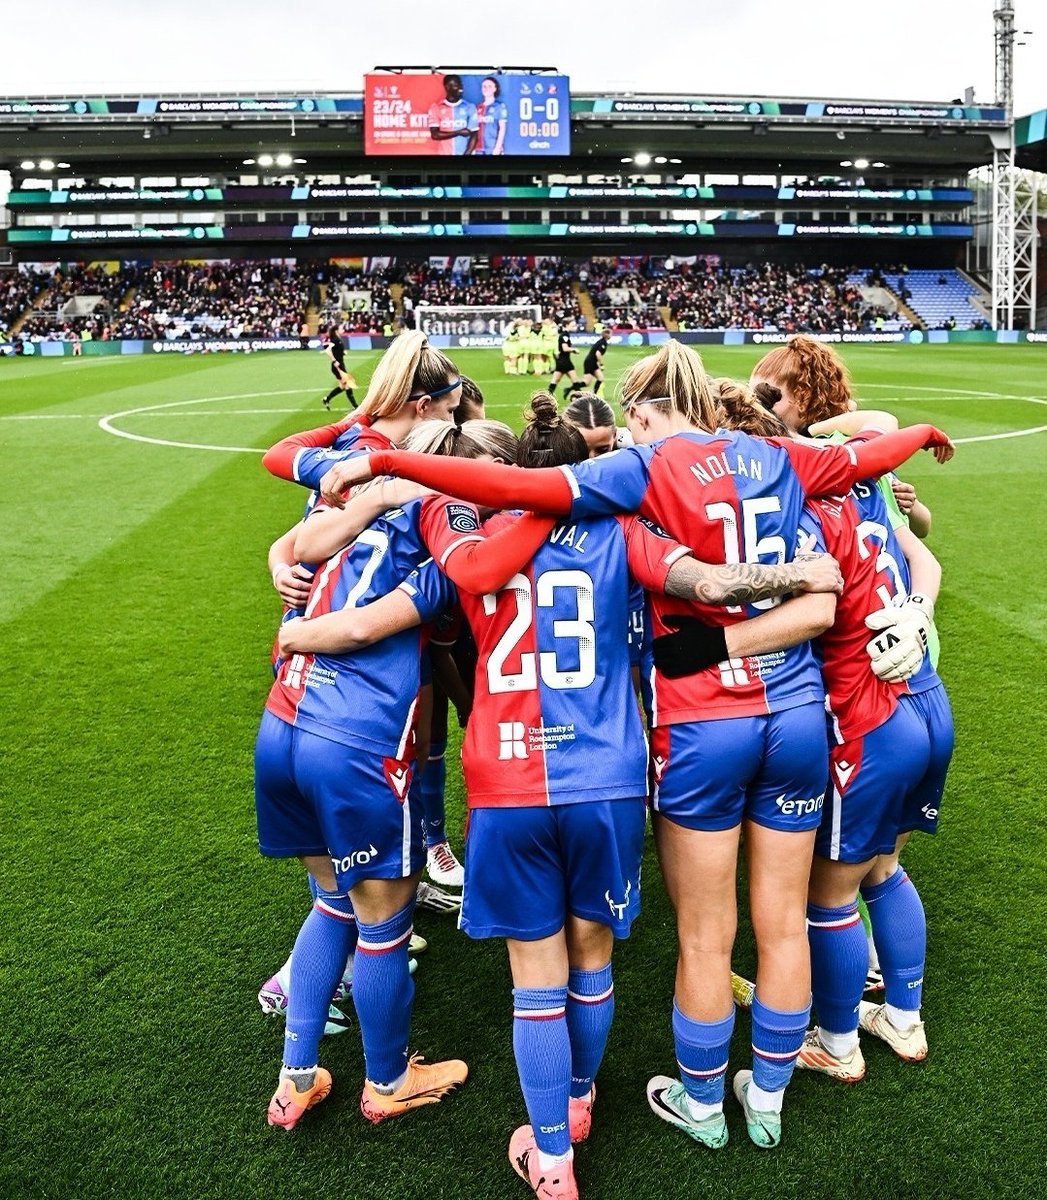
x: 731, y: 583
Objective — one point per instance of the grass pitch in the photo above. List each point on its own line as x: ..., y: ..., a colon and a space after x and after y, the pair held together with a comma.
x: 138, y: 919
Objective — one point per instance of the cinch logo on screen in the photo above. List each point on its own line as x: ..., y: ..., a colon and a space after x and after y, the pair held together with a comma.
x: 799, y: 808
x: 511, y: 736
x: 358, y: 858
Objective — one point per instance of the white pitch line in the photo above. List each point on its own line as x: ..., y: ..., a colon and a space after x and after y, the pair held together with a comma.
x: 227, y: 412
x: 999, y: 437
x: 962, y: 394
x: 106, y: 422
x: 165, y: 410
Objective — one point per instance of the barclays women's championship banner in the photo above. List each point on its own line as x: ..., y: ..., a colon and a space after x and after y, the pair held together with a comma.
x: 459, y: 114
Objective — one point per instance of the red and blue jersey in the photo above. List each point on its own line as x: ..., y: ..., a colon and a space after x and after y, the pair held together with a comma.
x: 311, y: 463
x: 730, y: 498
x: 490, y: 116
x: 452, y: 116
x: 856, y: 701
x: 367, y: 698
x: 555, y: 718
x: 894, y: 578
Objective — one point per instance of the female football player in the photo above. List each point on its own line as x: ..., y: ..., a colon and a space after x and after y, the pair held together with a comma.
x: 594, y: 420
x: 555, y: 768
x: 889, y: 753
x: 333, y: 775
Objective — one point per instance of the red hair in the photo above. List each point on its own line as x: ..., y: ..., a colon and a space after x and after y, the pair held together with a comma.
x: 814, y: 375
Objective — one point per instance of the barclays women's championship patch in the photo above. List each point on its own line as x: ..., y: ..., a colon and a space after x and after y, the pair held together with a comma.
x: 462, y: 518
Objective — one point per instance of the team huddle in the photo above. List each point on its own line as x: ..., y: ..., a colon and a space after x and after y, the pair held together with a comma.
x: 725, y: 626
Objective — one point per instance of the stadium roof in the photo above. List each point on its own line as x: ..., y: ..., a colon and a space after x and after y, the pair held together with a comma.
x: 187, y: 132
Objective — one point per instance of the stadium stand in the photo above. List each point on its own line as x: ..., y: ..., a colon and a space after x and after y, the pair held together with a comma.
x: 941, y: 298
x: 269, y: 299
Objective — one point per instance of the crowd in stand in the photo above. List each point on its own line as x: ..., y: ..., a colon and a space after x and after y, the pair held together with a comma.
x: 183, y: 300
x: 793, y: 298
x: 345, y: 288
x: 18, y: 290
x: 251, y: 299
x: 508, y: 281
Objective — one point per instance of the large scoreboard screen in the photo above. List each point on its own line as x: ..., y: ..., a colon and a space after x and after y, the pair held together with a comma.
x: 457, y: 114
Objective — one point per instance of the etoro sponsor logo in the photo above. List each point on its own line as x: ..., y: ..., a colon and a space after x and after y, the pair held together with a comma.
x: 358, y: 858
x: 799, y: 808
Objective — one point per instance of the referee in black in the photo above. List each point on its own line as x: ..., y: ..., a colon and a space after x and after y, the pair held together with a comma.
x: 564, y: 365
x: 593, y: 365
x: 335, y: 351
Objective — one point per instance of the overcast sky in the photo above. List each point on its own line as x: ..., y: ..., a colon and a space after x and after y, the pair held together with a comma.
x: 928, y: 50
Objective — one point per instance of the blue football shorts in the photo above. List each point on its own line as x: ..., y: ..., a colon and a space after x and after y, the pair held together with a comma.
x: 923, y: 805
x: 526, y: 869
x: 318, y: 797
x: 711, y: 775
x: 871, y: 782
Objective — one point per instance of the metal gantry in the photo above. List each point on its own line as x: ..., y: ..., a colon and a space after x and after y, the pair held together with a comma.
x: 1014, y: 199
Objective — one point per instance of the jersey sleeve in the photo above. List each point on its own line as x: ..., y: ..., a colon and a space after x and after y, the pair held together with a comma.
x: 446, y: 524
x: 613, y: 483
x: 827, y: 470
x: 494, y: 484
x: 651, y: 552
x: 834, y: 470
x: 282, y: 459
x: 882, y: 453
x: 430, y: 590
x: 811, y: 527
x: 479, y: 562
x: 311, y: 465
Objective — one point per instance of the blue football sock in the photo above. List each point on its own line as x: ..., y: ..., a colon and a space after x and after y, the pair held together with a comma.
x: 317, y: 962
x: 316, y: 891
x: 702, y: 1049
x: 434, y: 781
x: 900, y: 932
x: 777, y: 1037
x: 383, y: 993
x: 590, y: 1011
x: 839, y: 961
x: 542, y: 1047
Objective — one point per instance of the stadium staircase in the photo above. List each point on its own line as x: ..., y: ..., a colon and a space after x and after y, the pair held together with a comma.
x: 396, y: 290
x: 36, y: 305
x: 884, y: 296
x: 585, y: 303
x: 312, y: 319
x: 667, y: 320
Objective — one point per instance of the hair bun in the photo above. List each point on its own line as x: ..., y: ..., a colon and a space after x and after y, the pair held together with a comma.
x: 768, y: 394
x: 544, y: 411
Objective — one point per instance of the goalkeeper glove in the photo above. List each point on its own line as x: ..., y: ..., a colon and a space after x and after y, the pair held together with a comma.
x: 901, y: 641
x: 693, y: 647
